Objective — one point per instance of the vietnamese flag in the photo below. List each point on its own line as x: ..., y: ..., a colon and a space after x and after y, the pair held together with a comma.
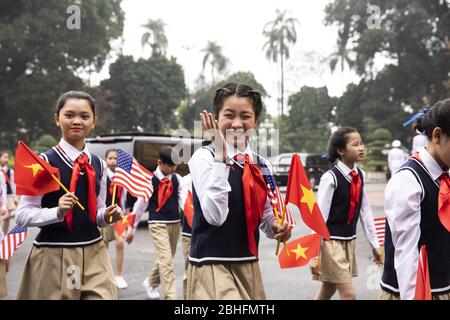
x: 33, y: 175
x: 122, y: 225
x: 423, y: 287
x: 299, y: 192
x: 188, y: 209
x: 303, y: 249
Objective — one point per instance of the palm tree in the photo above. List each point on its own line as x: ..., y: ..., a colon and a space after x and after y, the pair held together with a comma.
x: 214, y: 56
x: 155, y: 36
x: 280, y: 33
x: 342, y: 54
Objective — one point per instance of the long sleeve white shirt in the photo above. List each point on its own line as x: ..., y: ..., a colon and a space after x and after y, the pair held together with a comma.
x: 31, y: 214
x: 3, y: 191
x: 403, y: 196
x: 327, y: 186
x: 210, y: 180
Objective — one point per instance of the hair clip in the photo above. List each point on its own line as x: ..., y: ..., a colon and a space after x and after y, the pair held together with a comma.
x: 324, y: 154
x: 417, y: 116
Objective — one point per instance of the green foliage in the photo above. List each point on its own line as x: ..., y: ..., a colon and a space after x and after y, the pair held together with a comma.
x: 307, y: 128
x: 40, y: 57
x: 378, y: 141
x: 44, y: 143
x: 143, y: 93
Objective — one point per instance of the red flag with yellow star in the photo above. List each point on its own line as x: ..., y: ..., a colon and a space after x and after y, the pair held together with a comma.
x: 299, y: 192
x: 122, y: 225
x: 301, y: 251
x: 32, y: 174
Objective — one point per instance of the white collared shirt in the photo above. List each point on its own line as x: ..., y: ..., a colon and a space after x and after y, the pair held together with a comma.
x: 140, y: 206
x: 31, y: 214
x: 403, y: 196
x: 210, y: 179
x: 327, y: 186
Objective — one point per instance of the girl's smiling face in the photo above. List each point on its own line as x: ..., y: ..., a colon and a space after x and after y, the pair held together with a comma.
x: 354, y: 149
x: 236, y: 121
x: 76, y: 120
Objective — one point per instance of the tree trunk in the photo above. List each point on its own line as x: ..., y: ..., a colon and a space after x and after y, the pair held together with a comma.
x: 282, y: 82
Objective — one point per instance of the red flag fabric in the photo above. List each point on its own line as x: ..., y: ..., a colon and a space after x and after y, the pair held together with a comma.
x: 188, y: 209
x: 122, y: 225
x: 165, y: 190
x: 255, y: 197
x: 423, y: 287
x: 303, y: 249
x: 32, y: 173
x: 444, y: 201
x: 299, y: 193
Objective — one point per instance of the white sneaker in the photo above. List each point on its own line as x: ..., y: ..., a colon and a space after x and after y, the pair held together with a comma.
x: 120, y: 282
x: 152, y: 293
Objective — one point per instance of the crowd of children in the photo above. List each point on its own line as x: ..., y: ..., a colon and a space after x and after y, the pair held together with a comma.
x: 220, y: 236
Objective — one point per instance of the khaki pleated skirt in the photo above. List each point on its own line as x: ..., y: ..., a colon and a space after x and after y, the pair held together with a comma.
x: 3, y: 290
x: 384, y: 295
x: 337, y: 262
x: 108, y: 234
x: 75, y: 273
x: 229, y: 281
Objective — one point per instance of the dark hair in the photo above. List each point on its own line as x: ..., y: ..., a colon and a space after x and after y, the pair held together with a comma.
x: 239, y: 90
x: 165, y: 155
x: 437, y: 116
x: 2, y: 152
x: 74, y: 95
x: 338, y: 141
x: 109, y: 151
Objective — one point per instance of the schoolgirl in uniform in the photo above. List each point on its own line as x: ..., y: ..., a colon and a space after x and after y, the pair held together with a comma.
x: 417, y: 205
x: 68, y: 259
x: 223, y: 261
x: 108, y: 233
x: 11, y: 197
x: 343, y: 201
x: 3, y: 263
x: 164, y: 225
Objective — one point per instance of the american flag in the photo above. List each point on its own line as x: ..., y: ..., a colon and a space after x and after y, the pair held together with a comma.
x: 275, y: 197
x: 12, y: 242
x: 132, y: 176
x: 380, y: 224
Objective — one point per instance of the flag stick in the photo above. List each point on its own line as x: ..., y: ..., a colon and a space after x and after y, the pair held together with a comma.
x: 113, y: 200
x: 65, y: 189
x: 284, y: 241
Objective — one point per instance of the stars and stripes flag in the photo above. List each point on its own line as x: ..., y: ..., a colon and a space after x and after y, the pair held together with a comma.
x: 132, y: 176
x: 276, y: 200
x: 380, y: 224
x: 12, y: 242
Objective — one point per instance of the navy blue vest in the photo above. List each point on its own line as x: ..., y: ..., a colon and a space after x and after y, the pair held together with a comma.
x: 170, y: 212
x: 84, y: 230
x: 186, y: 230
x: 340, y: 207
x: 432, y: 234
x: 227, y: 243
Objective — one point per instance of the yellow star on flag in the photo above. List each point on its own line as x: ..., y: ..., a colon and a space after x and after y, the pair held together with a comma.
x: 36, y: 167
x: 300, y: 252
x: 308, y: 198
x: 125, y: 219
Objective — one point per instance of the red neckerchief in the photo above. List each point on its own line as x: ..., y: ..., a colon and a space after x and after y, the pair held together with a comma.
x: 355, y: 193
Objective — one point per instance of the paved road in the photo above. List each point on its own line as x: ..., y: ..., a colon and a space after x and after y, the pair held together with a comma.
x: 290, y: 284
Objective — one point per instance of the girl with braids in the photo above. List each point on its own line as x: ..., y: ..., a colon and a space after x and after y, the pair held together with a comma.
x: 417, y: 206
x: 223, y: 261
x: 343, y: 201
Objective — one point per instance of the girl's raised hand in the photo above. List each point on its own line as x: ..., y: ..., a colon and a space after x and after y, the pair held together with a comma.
x: 211, y: 126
